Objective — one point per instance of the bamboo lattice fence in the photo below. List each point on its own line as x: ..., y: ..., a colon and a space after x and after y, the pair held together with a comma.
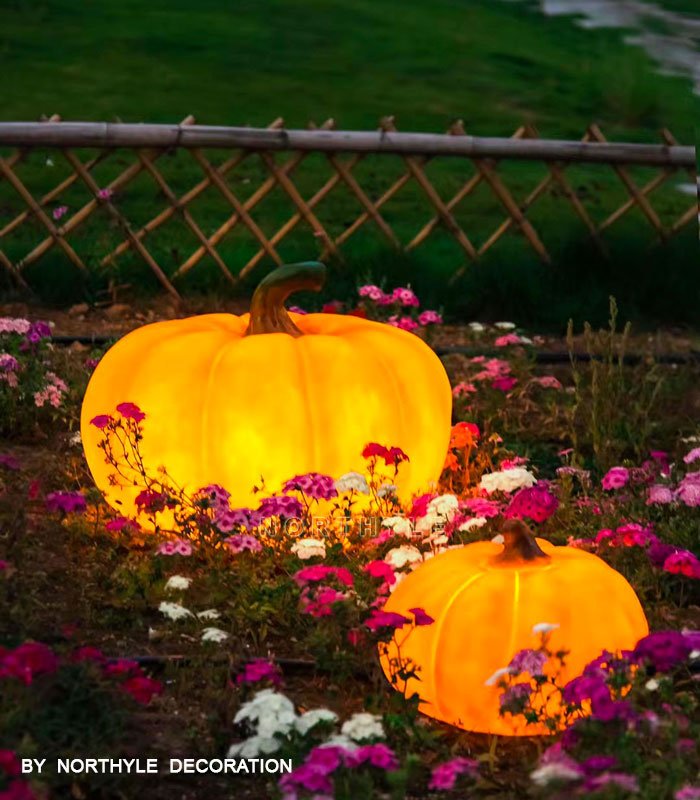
x: 106, y: 165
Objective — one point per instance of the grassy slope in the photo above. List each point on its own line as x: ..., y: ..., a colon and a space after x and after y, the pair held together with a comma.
x: 493, y: 64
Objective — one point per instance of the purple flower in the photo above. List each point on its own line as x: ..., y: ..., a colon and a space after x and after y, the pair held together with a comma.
x: 378, y: 755
x: 530, y: 661
x: 444, y: 776
x: 228, y: 518
x: 65, y: 502
x: 662, y: 649
x: 616, y: 478
x: 243, y: 541
x: 280, y: 506
x: 312, y: 484
x: 8, y: 363
x: 599, y: 764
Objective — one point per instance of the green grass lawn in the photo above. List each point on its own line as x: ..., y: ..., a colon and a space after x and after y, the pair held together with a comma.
x: 495, y: 65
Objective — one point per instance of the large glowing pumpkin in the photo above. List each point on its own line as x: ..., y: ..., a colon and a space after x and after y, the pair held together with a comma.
x: 272, y: 394
x: 485, y: 599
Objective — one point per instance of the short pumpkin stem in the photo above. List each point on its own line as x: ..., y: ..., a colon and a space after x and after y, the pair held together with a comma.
x: 519, y: 543
x: 267, y: 311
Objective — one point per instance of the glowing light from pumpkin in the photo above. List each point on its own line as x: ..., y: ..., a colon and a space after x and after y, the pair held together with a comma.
x: 271, y: 394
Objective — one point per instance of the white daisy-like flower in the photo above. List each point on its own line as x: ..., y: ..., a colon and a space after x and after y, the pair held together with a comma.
x: 398, y: 557
x: 254, y: 746
x: 309, y: 548
x: 507, y: 480
x: 352, y: 481
x: 497, y: 675
x: 446, y: 505
x: 400, y: 525
x: 177, y: 583
x: 544, y: 627
x: 504, y: 326
x: 471, y: 524
x: 174, y: 610
x: 363, y: 726
x: 477, y: 327
x: 311, y: 718
x: 208, y: 613
x: 214, y: 635
x: 556, y: 771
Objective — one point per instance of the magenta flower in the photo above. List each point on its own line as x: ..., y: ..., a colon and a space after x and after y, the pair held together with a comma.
x: 59, y: 212
x: 101, y: 421
x: 429, y: 318
x: 616, y: 478
x: 9, y: 763
x: 515, y: 697
x: 88, y: 653
x: 385, y: 619
x: 318, y: 600
x: 312, y: 484
x: 420, y: 617
x: 481, y: 507
x: 391, y: 455
x: 258, y: 670
x: 27, y: 661
x: 175, y: 547
x: 142, y: 688
x: 687, y: 792
x: 105, y: 194
x: 381, y: 570
x: 120, y: 523
x: 688, y: 491
x: 9, y: 462
x: 530, y: 661
x: 534, y: 502
x: 131, y: 411
x: 404, y: 323
x: 320, y: 572
x: 371, y: 292
x: 507, y: 339
x: 683, y: 562
x: 626, y: 782
x: 444, y: 776
x: 378, y: 755
x: 463, y: 388
x: 226, y: 519
x: 693, y: 455
x: 148, y: 500
x: 659, y: 495
x: 65, y: 502
x: 504, y: 384
x: 405, y: 297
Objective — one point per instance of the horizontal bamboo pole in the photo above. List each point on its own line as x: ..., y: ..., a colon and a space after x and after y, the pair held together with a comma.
x: 109, y: 134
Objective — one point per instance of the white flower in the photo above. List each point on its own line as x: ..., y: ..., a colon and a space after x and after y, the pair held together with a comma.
x: 446, y: 505
x: 400, y: 525
x: 174, y: 610
x: 386, y: 489
x: 507, y: 480
x: 651, y: 685
x: 177, y: 583
x: 254, y: 746
x: 694, y: 655
x: 308, y: 548
x: 214, y: 635
x: 209, y: 613
x: 525, y: 340
x: 398, y: 557
x: 363, y: 726
x: 427, y: 522
x: 498, y: 539
x: 352, y: 481
x: 544, y: 627
x: 474, y: 522
x: 555, y: 771
x: 339, y: 740
x: 76, y: 439
x: 477, y: 327
x: 497, y: 675
x: 504, y: 326
x: 270, y: 711
x: 306, y: 721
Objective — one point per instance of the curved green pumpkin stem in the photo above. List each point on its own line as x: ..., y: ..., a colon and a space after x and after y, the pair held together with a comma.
x: 519, y: 543
x: 267, y: 311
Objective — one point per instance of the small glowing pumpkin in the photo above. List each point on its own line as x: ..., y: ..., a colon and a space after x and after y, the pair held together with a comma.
x: 271, y: 394
x: 485, y: 599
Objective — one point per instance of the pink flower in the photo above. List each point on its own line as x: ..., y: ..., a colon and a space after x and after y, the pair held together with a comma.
x: 318, y: 600
x: 659, y: 495
x: 105, y: 194
x: 405, y: 297
x: 9, y: 763
x: 463, y: 388
x: 101, y: 421
x: 404, y: 323
x: 320, y: 572
x: 120, y: 523
x: 9, y: 462
x: 243, y: 541
x: 59, y: 212
x: 481, y: 507
x: 382, y: 570
x: 281, y: 506
x: 530, y: 661
x: 615, y: 478
x: 687, y: 792
x: 391, y: 455
x: 27, y: 661
x: 131, y: 411
x: 385, y: 619
x: 504, y: 384
x: 688, y: 491
x: 508, y: 338
x: 378, y: 755
x: 179, y: 547
x: 548, y: 382
x: 429, y: 318
x: 444, y: 776
x: 258, y: 670
x: 683, y: 562
x: 371, y: 292
x: 693, y: 455
x: 297, y: 310
x: 88, y: 653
